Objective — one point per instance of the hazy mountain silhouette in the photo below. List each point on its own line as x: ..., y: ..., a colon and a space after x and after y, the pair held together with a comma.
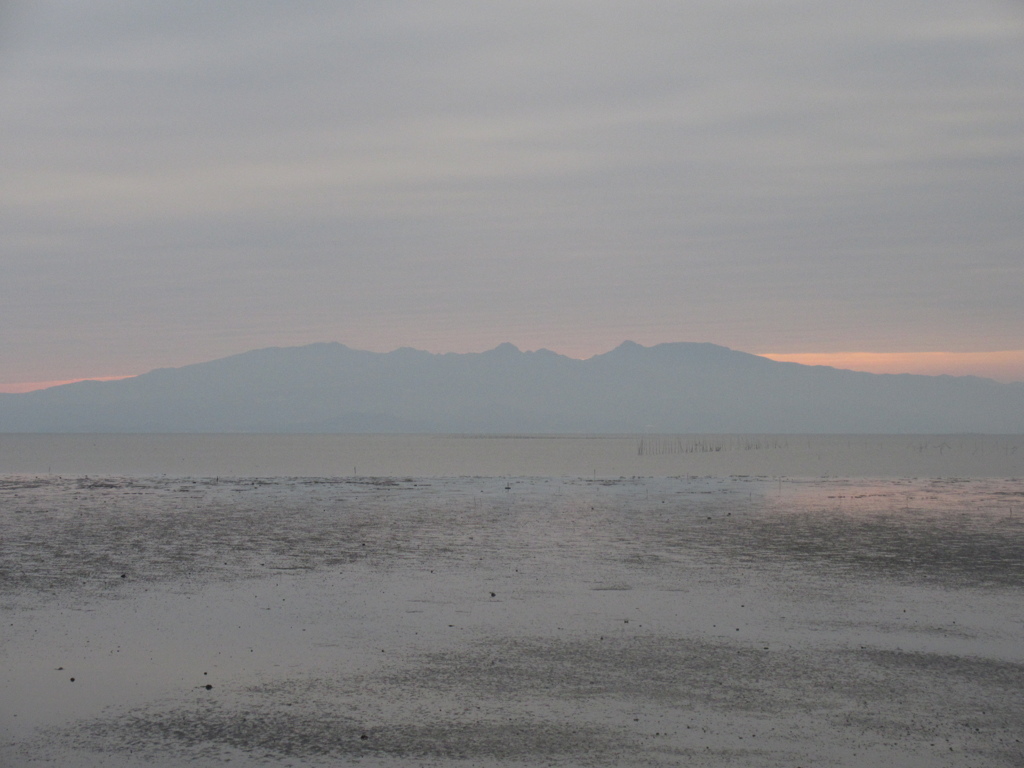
x: 676, y: 388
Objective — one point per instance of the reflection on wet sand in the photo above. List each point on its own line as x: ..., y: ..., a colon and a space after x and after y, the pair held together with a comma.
x: 404, y: 621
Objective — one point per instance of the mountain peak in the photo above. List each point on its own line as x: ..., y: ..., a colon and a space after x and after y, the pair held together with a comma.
x: 505, y: 349
x: 674, y: 349
x: 626, y: 348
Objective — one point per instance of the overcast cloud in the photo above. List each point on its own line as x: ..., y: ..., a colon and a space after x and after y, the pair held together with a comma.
x: 181, y: 181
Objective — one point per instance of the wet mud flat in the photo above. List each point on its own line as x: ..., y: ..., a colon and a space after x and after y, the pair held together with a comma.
x: 738, y: 621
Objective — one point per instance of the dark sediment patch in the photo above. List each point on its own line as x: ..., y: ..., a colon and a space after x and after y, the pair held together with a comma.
x: 868, y: 696
x: 104, y: 536
x: 273, y: 734
x: 956, y: 550
x: 707, y: 697
x: 89, y: 536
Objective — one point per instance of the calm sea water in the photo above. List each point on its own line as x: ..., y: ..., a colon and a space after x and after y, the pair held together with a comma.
x: 514, y: 456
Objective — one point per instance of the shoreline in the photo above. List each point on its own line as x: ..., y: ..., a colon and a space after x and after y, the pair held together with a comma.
x: 608, y: 456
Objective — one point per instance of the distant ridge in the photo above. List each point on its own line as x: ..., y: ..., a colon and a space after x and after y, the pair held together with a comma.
x: 669, y: 388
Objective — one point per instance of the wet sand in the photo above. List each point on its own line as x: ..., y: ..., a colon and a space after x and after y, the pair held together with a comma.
x: 478, y: 621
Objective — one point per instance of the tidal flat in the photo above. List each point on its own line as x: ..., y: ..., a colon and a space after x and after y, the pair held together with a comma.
x: 404, y: 621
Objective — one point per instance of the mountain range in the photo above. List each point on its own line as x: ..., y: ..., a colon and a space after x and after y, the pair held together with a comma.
x: 668, y: 388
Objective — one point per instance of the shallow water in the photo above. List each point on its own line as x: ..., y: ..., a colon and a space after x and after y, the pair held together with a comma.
x: 514, y: 456
x: 732, y: 621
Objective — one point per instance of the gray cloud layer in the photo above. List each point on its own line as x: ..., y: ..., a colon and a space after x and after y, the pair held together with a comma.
x: 185, y: 180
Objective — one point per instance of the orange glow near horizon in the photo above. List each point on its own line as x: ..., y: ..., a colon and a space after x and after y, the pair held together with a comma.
x: 1005, y: 366
x: 32, y: 386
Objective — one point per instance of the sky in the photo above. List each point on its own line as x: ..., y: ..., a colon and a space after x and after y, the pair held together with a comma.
x: 832, y: 180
